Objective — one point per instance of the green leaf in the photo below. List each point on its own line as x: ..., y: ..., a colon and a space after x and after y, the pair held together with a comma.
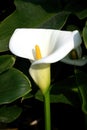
x: 85, y: 36
x: 13, y: 85
x: 83, y: 14
x: 57, y: 21
x: 6, y: 62
x: 29, y: 15
x: 82, y: 85
x: 9, y: 113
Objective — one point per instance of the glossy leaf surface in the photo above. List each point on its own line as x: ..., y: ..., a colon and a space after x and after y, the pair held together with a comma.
x: 13, y: 85
x: 9, y: 113
x: 6, y: 62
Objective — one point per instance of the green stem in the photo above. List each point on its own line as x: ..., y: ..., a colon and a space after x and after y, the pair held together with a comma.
x: 47, y: 110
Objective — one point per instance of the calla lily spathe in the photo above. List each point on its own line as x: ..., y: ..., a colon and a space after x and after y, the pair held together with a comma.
x: 54, y: 46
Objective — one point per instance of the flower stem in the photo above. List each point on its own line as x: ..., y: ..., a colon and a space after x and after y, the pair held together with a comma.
x: 47, y: 110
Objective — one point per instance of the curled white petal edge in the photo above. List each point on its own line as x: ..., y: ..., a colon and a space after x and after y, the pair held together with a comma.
x: 78, y: 62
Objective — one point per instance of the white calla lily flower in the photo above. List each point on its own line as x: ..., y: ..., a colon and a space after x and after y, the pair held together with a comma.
x: 54, y: 45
